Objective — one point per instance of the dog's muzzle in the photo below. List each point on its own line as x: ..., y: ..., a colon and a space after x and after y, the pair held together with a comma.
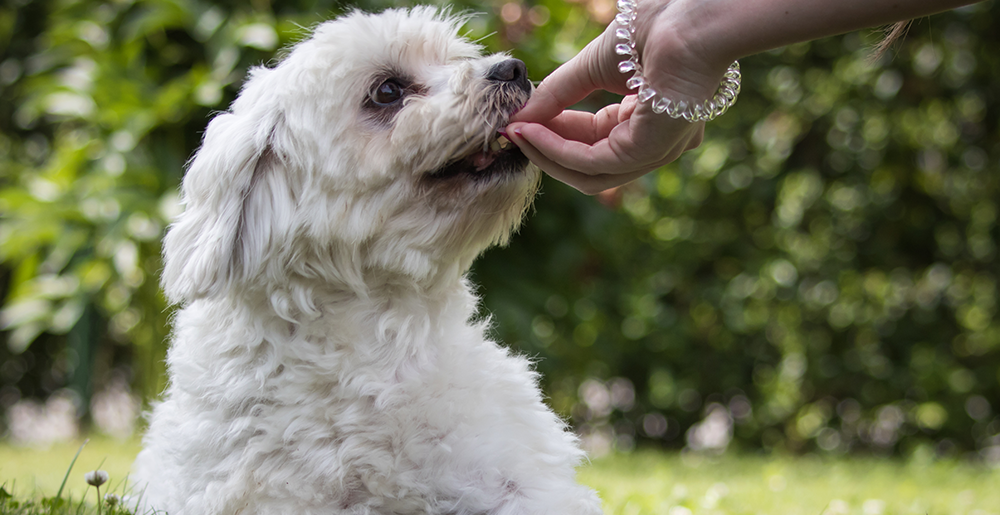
x: 512, y: 72
x: 497, y: 155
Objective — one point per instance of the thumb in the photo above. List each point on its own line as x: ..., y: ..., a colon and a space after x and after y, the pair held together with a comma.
x: 594, y: 68
x: 564, y: 87
x: 567, y: 85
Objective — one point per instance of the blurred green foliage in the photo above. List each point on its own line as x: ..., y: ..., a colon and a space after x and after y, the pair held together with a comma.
x: 822, y: 273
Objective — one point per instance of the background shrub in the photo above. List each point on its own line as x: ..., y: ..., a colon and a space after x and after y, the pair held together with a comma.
x: 820, y: 275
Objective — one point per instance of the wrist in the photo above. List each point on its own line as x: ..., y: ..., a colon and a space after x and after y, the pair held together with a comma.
x: 680, y: 58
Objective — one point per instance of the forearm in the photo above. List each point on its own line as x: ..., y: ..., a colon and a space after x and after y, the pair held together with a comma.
x: 686, y: 45
x: 730, y: 29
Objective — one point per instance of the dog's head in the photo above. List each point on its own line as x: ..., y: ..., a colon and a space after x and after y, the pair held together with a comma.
x: 370, y: 153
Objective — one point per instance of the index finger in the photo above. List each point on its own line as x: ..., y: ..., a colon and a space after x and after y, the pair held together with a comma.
x: 565, y: 86
x: 636, y: 143
x: 571, y: 83
x: 587, y: 184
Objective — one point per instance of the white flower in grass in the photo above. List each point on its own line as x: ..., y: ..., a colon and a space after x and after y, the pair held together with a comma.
x: 96, y: 477
x: 111, y: 499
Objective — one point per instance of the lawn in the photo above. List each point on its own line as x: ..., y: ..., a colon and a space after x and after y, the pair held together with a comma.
x: 34, y: 471
x: 647, y: 482
x: 657, y: 483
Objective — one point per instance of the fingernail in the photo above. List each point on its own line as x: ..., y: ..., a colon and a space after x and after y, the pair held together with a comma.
x: 517, y: 130
x: 503, y: 132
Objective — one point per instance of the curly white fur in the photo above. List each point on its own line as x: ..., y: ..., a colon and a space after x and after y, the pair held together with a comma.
x: 327, y: 357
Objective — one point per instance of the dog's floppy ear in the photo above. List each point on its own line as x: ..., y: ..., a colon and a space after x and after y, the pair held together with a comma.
x: 201, y: 248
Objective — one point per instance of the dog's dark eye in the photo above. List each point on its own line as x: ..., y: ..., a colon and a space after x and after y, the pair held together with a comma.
x: 387, y: 93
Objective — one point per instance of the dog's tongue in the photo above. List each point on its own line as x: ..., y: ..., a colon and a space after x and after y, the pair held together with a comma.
x: 482, y: 160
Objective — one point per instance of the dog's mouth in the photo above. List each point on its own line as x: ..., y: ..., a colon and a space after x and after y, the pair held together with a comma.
x: 498, y: 157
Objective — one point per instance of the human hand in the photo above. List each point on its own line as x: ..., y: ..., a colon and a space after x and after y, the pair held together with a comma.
x: 593, y: 152
x: 685, y: 47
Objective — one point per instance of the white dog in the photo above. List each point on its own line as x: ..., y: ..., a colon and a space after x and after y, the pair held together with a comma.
x: 327, y: 357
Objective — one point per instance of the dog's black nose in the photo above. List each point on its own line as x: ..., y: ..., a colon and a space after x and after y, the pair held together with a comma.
x: 512, y: 71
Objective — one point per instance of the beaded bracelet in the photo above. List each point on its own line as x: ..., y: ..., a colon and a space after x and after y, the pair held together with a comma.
x: 706, y: 111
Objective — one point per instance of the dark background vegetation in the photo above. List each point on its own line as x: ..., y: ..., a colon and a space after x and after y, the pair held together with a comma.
x: 822, y: 270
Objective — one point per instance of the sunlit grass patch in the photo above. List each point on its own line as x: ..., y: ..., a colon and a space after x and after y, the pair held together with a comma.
x: 38, y: 472
x: 657, y: 483
x: 641, y: 483
x: 16, y: 504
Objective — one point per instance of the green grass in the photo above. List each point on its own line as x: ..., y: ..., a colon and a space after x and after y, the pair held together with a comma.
x: 40, y: 471
x: 644, y: 482
x: 34, y: 476
x: 657, y: 483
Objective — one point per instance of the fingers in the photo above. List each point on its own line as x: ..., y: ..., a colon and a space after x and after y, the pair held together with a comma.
x: 582, y: 182
x: 592, y: 69
x: 583, y: 126
x: 545, y: 103
x: 628, y: 106
x: 598, y: 144
x: 567, y: 85
x: 607, y: 154
x: 592, y: 159
x: 593, y: 152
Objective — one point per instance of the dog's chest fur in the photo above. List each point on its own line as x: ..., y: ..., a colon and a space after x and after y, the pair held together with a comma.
x: 326, y: 358
x: 388, y: 405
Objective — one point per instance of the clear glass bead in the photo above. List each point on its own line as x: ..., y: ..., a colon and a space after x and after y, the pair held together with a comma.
x: 724, y: 97
x: 626, y: 6
x: 661, y: 104
x: 646, y: 93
